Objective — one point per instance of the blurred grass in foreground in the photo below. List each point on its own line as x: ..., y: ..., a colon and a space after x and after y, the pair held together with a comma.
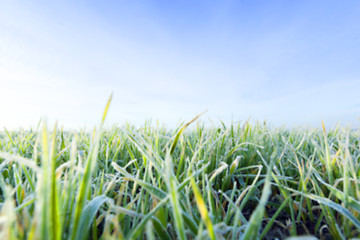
x: 238, y: 181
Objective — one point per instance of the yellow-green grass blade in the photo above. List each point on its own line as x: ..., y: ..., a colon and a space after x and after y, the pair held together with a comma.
x: 44, y: 229
x: 203, y: 210
x: 234, y: 165
x: 11, y: 140
x: 181, y: 130
x: 135, y: 232
x: 174, y: 198
x: 54, y: 201
x: 107, y: 106
x: 86, y: 178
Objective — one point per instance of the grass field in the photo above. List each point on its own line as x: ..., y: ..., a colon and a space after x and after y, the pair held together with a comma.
x: 239, y: 181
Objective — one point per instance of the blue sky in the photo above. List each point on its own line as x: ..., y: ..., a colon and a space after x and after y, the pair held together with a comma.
x: 289, y: 62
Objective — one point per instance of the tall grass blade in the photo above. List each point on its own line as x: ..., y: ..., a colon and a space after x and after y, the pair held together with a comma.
x: 203, y: 210
x: 86, y: 178
x: 253, y: 226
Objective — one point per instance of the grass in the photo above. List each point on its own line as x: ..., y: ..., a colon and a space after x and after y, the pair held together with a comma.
x: 241, y: 181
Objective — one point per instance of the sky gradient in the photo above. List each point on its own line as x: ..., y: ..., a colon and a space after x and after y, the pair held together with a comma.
x: 287, y: 62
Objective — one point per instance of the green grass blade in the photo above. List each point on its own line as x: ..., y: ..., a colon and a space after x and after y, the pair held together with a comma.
x: 330, y: 204
x: 178, y: 134
x: 253, y: 226
x: 174, y: 198
x: 86, y: 178
x: 203, y: 210
x: 88, y: 214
